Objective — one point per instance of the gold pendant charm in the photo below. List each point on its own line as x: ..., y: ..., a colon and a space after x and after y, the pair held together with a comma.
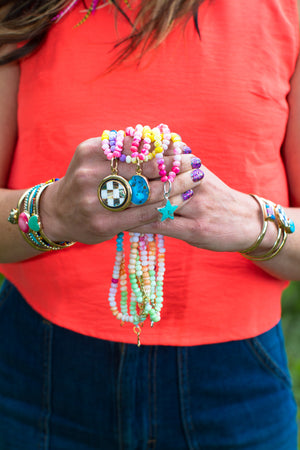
x: 114, y: 191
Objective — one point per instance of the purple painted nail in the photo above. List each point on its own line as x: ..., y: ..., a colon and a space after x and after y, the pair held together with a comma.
x: 186, y: 149
x: 196, y: 163
x: 187, y: 194
x: 197, y: 175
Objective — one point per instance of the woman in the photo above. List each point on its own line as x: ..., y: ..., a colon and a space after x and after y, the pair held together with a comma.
x: 212, y: 374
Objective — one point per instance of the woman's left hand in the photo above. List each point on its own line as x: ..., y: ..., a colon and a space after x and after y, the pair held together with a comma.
x: 216, y: 217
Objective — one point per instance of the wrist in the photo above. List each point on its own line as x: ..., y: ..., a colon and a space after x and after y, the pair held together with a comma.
x: 271, y: 229
x: 274, y: 215
x: 51, y: 219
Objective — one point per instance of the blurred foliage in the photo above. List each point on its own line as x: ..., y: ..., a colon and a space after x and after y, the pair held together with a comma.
x: 291, y: 329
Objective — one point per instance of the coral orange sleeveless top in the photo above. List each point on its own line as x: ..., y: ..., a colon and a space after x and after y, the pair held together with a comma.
x: 225, y: 94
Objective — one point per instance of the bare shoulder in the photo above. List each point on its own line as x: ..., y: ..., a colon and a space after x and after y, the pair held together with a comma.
x: 9, y: 83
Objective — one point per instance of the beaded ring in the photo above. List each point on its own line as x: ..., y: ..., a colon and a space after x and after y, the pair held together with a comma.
x: 162, y: 137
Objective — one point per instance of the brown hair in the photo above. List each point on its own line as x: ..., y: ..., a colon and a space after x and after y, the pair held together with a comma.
x: 30, y: 20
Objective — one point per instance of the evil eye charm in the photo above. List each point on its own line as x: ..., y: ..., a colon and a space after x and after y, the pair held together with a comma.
x: 114, y: 193
x: 140, y: 189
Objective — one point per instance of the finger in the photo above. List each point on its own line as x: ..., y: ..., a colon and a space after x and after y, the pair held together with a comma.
x: 183, y: 183
x: 154, y: 214
x: 176, y: 228
x: 150, y: 168
x: 154, y: 209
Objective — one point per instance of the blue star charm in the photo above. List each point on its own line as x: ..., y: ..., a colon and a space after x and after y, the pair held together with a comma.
x: 167, y: 211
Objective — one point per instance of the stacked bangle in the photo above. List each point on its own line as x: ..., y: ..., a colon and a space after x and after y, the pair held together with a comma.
x: 27, y: 216
x: 270, y: 213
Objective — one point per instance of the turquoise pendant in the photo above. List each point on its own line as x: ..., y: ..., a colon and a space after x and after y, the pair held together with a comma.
x: 167, y: 211
x: 140, y: 189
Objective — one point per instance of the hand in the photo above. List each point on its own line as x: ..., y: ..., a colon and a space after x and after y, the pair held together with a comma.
x: 70, y: 208
x: 215, y: 218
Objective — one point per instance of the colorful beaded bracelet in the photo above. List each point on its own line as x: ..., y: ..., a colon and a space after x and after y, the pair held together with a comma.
x: 26, y: 215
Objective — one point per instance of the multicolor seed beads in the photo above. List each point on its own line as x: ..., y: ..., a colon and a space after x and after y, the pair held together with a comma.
x: 146, y: 268
x: 27, y: 216
x: 146, y: 265
x: 146, y: 144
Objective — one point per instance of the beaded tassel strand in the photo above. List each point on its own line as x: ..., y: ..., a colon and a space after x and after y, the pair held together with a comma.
x: 146, y: 268
x: 146, y: 265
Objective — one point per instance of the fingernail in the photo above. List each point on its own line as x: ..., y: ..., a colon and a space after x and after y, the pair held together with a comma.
x: 197, y: 175
x: 186, y: 149
x: 187, y: 194
x: 196, y: 163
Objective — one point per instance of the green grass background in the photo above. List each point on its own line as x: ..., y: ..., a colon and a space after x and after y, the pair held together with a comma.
x: 291, y: 329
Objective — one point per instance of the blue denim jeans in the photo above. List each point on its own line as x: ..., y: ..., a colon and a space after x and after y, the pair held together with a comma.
x: 60, y: 390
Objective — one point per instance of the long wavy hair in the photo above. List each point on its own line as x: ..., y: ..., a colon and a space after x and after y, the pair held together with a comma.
x: 29, y: 21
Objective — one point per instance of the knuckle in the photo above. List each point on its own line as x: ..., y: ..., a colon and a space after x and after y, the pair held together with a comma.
x: 88, y: 205
x: 83, y: 176
x: 86, y: 149
x: 156, y: 191
x: 101, y: 226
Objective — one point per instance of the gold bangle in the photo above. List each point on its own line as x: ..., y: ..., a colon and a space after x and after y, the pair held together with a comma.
x: 31, y: 242
x: 281, y: 236
x: 54, y: 245
x: 29, y: 202
x: 274, y: 213
x: 15, y: 212
x: 263, y: 230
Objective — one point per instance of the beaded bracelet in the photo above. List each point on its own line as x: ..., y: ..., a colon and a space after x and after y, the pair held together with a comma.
x: 26, y: 215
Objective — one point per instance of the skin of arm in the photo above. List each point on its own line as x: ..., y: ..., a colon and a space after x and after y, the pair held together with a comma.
x: 10, y: 237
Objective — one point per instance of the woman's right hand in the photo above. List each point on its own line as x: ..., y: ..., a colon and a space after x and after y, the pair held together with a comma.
x: 70, y: 209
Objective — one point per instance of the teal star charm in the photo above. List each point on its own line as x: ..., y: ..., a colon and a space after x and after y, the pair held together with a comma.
x: 167, y: 211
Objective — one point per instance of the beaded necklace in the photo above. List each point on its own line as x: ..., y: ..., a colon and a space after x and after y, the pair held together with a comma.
x: 146, y: 268
x: 146, y: 265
